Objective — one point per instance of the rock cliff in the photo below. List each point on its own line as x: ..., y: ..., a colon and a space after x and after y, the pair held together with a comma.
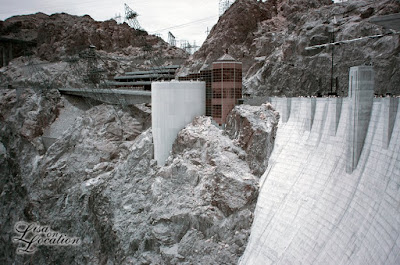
x: 247, y: 126
x: 62, y: 34
x: 59, y: 54
x: 270, y: 39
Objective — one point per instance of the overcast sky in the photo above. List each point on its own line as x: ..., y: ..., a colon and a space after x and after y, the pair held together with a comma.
x: 186, y: 19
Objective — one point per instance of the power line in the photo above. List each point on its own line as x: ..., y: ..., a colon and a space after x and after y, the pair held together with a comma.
x: 186, y: 24
x: 350, y: 41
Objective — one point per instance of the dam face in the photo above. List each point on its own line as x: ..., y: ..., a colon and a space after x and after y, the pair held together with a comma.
x: 312, y: 209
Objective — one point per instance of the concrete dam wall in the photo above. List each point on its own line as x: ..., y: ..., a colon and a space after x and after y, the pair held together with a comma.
x: 321, y: 204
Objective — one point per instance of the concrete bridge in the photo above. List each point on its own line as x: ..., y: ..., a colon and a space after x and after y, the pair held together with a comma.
x: 111, y: 96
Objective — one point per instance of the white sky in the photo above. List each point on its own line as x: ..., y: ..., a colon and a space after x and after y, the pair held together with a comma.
x: 154, y: 15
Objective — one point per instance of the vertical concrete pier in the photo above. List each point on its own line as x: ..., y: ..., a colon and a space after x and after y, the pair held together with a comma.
x: 286, y: 105
x: 4, y: 56
x: 296, y: 110
x: 361, y: 93
x: 390, y: 107
x: 310, y: 104
x: 283, y: 106
x: 7, y: 53
x: 10, y: 52
x: 335, y: 108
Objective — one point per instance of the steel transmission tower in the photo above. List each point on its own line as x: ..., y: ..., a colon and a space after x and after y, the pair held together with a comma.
x: 171, y: 39
x: 224, y: 5
x: 117, y: 18
x: 131, y: 18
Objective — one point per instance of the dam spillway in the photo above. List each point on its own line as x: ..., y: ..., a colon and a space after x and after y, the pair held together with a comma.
x: 311, y: 210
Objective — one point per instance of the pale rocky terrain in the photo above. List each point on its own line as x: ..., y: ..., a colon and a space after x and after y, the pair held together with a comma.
x: 98, y: 181
x: 246, y: 125
x: 270, y: 37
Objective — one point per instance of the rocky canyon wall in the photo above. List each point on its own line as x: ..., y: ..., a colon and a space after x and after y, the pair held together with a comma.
x: 270, y: 38
x: 97, y: 181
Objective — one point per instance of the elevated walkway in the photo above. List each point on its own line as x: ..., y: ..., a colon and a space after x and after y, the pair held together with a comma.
x: 110, y: 96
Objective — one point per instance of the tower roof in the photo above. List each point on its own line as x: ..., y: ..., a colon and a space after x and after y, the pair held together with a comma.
x: 226, y: 58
